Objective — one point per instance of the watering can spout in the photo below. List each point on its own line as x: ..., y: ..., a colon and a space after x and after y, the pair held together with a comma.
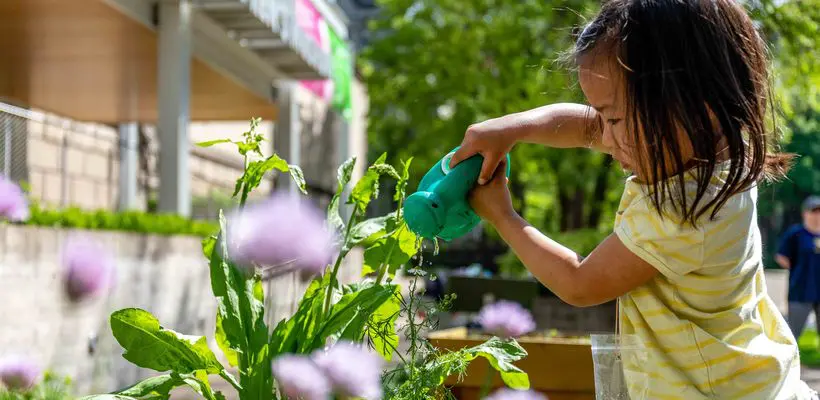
x: 439, y: 208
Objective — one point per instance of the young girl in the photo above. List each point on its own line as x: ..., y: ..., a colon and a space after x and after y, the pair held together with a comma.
x: 678, y: 94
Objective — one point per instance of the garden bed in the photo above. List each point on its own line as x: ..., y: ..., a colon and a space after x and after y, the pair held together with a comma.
x: 559, y: 366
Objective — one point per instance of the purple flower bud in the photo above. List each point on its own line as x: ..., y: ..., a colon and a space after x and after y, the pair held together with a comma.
x: 88, y: 268
x: 510, y: 394
x: 18, y: 373
x: 280, y: 230
x: 13, y: 203
x: 352, y: 370
x: 506, y: 319
x: 300, y: 379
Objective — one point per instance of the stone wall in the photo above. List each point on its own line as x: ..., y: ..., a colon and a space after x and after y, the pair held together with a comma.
x: 167, y: 276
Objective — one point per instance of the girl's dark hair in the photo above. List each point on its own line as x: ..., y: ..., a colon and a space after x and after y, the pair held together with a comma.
x: 699, y: 66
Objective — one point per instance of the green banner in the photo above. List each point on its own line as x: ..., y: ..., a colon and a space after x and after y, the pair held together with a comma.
x: 341, y: 74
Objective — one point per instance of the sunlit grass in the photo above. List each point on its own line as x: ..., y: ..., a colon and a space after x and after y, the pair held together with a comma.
x: 809, y: 352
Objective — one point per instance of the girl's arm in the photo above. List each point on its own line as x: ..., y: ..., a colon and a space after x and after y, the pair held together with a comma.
x: 563, y: 125
x: 610, y: 271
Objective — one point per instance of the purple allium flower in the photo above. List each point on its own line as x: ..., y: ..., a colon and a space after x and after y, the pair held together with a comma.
x: 510, y: 394
x: 352, y: 370
x: 18, y: 373
x: 88, y: 268
x: 506, y: 319
x: 299, y: 378
x: 13, y: 203
x: 279, y: 230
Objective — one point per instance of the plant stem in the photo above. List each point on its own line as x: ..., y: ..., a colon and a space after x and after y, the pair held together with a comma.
x: 488, y: 380
x: 227, y: 378
x: 245, y: 189
x: 342, y: 254
x: 413, y: 333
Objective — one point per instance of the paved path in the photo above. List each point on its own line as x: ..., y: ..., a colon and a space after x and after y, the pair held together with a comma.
x: 812, y: 377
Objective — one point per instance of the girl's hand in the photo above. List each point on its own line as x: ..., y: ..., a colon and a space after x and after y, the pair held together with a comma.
x: 492, y: 201
x: 493, y: 139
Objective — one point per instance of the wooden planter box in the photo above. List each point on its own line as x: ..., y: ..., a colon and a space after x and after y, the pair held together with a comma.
x: 561, y: 368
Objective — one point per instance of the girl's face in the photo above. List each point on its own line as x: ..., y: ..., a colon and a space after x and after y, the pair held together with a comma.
x: 604, y: 87
x: 602, y: 79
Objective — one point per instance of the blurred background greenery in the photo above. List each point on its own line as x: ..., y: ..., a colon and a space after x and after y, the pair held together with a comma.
x: 433, y: 67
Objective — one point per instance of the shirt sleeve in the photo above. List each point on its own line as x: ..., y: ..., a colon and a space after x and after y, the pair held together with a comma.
x: 672, y: 248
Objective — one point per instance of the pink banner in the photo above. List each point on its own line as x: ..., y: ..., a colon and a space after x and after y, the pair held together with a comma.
x: 311, y: 22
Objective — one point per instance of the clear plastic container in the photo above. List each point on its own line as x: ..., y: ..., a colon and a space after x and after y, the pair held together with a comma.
x: 618, y: 361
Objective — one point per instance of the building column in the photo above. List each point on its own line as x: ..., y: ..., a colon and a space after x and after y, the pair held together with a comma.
x: 129, y: 165
x: 286, y: 134
x: 174, y: 92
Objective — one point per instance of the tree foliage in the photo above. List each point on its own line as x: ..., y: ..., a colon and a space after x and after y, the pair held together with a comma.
x: 436, y: 66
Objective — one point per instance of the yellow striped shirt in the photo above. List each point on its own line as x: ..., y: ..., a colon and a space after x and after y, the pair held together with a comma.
x: 708, y: 327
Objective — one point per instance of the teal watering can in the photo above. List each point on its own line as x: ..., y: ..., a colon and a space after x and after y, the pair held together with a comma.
x: 439, y: 208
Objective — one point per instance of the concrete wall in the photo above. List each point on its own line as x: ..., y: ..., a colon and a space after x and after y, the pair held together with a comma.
x: 167, y: 276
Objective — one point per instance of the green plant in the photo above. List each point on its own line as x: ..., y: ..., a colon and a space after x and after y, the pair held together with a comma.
x: 52, y: 387
x: 128, y: 221
x: 328, y: 312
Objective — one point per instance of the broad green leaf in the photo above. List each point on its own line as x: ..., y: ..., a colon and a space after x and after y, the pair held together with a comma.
x: 210, y: 143
x: 367, y: 188
x: 256, y: 170
x: 348, y: 317
x: 198, y: 381
x: 299, y: 177
x: 221, y: 340
x: 294, y: 334
x: 240, y: 311
x: 367, y: 231
x: 501, y: 354
x: 109, y: 397
x: 149, y: 345
x: 281, y: 340
x: 381, y: 329
x: 245, y: 148
x: 393, y: 250
x: 308, y: 321
x: 154, y: 388
x: 343, y: 175
x: 208, y: 245
x: 238, y: 186
x: 401, y: 185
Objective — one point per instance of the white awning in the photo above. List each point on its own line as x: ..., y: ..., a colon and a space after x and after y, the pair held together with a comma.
x: 269, y: 29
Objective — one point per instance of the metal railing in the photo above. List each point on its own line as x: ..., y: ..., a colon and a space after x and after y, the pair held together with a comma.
x: 53, y: 154
x: 69, y: 163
